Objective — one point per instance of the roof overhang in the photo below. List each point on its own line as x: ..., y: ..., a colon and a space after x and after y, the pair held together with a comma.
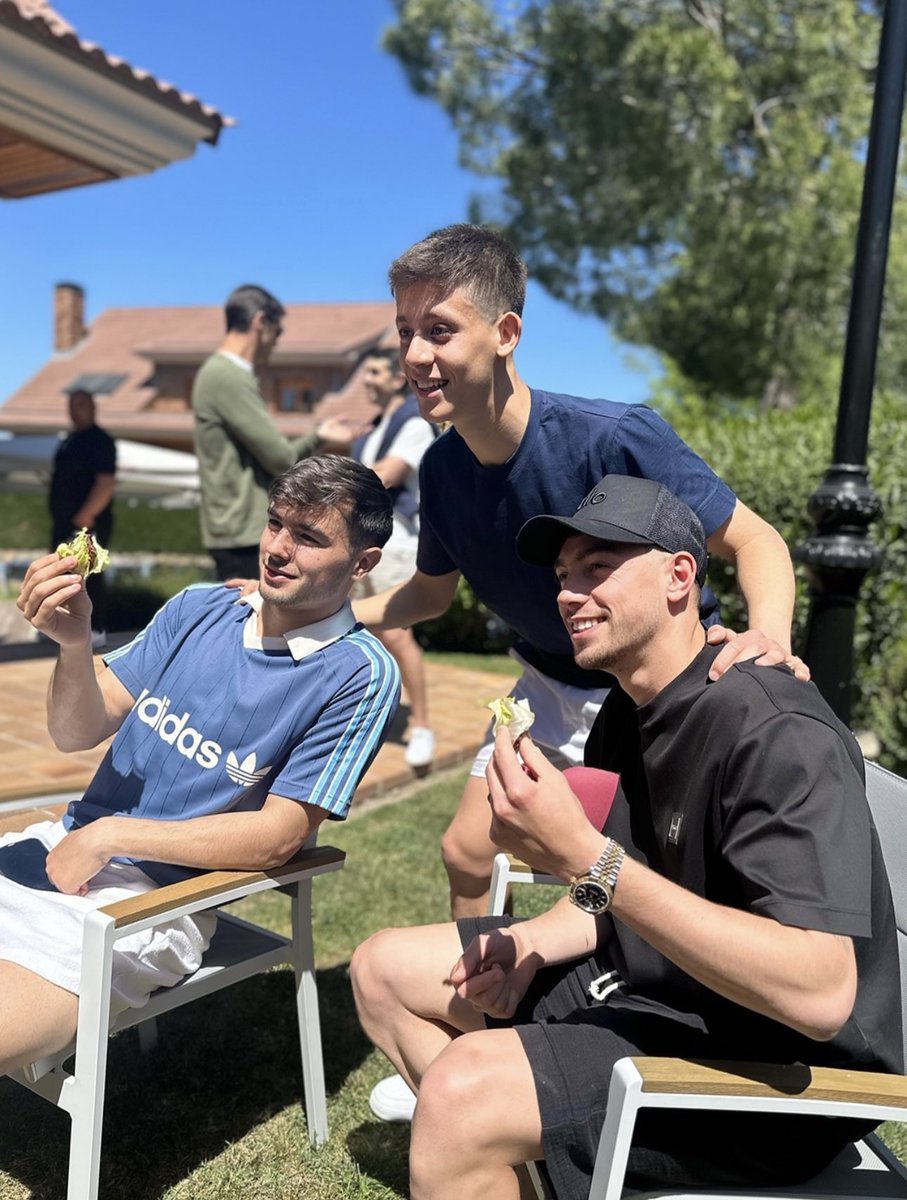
x: 57, y: 96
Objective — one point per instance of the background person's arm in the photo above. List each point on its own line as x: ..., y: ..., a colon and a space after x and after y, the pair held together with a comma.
x: 391, y: 470
x: 96, y: 501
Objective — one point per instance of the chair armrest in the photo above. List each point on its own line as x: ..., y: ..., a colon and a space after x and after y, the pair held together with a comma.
x: 677, y: 1083
x: 680, y: 1076
x: 219, y: 887
x: 21, y: 818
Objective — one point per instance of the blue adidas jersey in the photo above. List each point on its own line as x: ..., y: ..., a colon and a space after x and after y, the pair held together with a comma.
x: 217, y: 725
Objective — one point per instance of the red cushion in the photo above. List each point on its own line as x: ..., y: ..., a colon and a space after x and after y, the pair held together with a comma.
x: 595, y: 789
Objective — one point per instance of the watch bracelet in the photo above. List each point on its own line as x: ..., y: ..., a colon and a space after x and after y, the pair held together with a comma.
x: 606, y: 867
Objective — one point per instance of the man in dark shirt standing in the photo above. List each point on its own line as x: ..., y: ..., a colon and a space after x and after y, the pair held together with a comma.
x: 81, y: 494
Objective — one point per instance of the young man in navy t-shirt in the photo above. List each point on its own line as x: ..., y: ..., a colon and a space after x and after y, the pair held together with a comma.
x: 514, y: 452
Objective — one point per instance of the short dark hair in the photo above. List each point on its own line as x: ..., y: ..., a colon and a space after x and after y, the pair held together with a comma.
x: 471, y: 257
x: 388, y: 354
x: 245, y: 301
x: 333, y: 481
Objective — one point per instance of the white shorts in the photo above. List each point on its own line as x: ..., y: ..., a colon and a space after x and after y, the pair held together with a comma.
x: 398, y: 563
x: 563, y: 717
x: 42, y: 930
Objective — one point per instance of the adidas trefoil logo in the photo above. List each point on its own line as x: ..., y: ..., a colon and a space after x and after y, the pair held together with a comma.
x: 244, y: 772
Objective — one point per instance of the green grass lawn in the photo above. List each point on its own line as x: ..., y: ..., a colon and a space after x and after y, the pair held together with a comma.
x: 215, y: 1111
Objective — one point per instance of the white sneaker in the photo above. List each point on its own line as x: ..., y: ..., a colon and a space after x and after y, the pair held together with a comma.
x: 420, y: 749
x: 392, y: 1099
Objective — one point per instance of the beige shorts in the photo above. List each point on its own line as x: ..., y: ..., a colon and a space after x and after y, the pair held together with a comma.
x: 42, y: 931
x: 398, y: 563
x: 563, y: 717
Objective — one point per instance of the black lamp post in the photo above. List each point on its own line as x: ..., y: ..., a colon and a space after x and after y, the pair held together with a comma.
x: 840, y: 551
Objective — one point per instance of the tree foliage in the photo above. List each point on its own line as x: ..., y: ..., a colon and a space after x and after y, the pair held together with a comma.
x: 689, y: 170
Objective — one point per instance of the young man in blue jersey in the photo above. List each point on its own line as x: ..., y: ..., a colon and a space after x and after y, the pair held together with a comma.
x: 240, y: 725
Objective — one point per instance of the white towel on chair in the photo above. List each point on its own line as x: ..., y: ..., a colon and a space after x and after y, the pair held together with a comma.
x: 42, y: 930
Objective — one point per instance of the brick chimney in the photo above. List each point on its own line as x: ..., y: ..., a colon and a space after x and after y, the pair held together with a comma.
x: 69, y: 316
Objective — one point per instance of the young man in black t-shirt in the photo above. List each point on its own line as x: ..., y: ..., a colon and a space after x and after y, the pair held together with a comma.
x: 735, y: 904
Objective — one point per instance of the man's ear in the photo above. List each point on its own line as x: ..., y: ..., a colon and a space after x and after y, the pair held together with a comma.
x: 683, y: 575
x: 367, y: 561
x: 510, y: 327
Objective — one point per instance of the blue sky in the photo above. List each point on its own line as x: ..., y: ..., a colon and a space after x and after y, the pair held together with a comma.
x: 334, y: 168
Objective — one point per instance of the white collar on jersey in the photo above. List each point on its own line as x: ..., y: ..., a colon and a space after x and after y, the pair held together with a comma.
x: 302, y: 641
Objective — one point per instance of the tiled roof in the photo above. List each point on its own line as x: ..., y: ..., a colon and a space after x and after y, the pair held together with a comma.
x: 37, y: 19
x: 128, y: 341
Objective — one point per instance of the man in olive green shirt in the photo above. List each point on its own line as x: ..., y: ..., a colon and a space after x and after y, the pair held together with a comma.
x: 239, y: 447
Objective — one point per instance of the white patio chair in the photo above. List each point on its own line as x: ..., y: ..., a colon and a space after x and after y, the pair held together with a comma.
x: 238, y: 950
x: 866, y: 1169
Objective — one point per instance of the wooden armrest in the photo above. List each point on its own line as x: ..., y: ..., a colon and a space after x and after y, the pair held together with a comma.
x: 215, y: 883
x: 683, y: 1076
x: 21, y: 818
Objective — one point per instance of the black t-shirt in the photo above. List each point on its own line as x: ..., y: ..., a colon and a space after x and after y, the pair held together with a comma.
x: 82, y: 456
x: 749, y: 792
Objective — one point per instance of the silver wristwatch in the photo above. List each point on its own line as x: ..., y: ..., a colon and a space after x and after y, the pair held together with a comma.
x: 593, y: 891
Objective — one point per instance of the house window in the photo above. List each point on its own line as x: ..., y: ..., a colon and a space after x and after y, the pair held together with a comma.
x: 296, y: 396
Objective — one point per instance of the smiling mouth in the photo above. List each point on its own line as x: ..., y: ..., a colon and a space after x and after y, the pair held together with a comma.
x: 582, y: 624
x: 433, y: 385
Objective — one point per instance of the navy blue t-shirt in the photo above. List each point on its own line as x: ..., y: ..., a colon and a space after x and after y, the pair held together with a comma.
x: 472, y: 513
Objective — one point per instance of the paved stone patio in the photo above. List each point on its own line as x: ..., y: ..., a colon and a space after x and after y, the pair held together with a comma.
x: 30, y: 766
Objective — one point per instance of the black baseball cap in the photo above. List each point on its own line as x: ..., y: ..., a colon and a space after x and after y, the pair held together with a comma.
x: 620, y: 509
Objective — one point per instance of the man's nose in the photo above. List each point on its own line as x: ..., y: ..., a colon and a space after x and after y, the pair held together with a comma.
x: 281, y: 544
x: 418, y: 351
x: 568, y: 596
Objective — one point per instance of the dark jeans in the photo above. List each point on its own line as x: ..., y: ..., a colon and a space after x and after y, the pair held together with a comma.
x: 236, y: 562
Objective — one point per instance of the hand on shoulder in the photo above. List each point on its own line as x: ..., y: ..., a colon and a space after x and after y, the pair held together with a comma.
x: 751, y: 644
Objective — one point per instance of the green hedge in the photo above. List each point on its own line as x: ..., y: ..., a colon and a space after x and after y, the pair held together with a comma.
x: 774, y: 461
x: 25, y: 525
x: 466, y: 626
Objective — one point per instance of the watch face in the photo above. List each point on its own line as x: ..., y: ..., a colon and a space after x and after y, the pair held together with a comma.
x: 591, y: 896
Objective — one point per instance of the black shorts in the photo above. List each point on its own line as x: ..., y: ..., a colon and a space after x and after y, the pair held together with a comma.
x: 572, y: 1043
